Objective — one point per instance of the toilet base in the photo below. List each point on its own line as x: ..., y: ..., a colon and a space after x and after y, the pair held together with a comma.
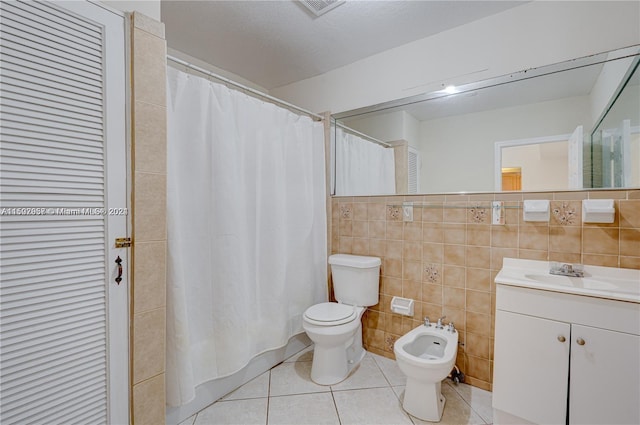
x: 333, y: 364
x: 424, y: 400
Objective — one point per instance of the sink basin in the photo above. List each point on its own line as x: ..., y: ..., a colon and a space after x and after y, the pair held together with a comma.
x: 580, y: 282
x: 602, y: 282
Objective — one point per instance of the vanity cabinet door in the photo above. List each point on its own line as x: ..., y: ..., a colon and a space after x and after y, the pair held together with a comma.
x: 605, y: 377
x: 531, y: 365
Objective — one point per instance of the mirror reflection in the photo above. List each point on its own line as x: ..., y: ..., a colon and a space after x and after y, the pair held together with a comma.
x: 531, y: 130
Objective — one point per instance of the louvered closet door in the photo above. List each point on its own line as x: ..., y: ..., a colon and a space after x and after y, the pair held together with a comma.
x: 63, y: 319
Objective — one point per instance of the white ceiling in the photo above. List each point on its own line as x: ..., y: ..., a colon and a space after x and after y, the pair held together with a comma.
x: 275, y: 43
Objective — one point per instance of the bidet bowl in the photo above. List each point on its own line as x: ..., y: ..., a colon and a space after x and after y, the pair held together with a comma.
x: 426, y: 355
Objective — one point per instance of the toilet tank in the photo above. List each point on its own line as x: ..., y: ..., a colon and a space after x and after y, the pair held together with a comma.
x: 355, y: 279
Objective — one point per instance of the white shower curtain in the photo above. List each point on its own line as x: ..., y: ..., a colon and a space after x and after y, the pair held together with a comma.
x: 246, y: 229
x: 362, y: 167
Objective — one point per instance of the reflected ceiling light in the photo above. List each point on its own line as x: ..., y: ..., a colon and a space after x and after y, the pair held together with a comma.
x: 450, y: 89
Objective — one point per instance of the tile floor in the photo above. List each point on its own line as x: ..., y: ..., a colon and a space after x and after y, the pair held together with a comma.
x: 371, y: 395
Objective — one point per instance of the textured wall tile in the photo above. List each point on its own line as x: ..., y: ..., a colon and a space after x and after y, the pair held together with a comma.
x: 150, y: 203
x: 149, y: 276
x: 148, y: 344
x: 149, y: 402
x: 149, y: 63
x: 150, y: 135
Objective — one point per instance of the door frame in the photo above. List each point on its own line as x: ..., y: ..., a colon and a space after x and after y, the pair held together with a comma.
x: 498, y: 146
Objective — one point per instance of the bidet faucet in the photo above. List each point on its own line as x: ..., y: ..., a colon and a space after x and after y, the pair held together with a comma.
x: 439, y: 325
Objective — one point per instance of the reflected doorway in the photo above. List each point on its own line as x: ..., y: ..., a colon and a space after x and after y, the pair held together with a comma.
x: 512, y: 178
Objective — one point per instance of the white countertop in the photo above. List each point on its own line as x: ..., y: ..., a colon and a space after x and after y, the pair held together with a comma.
x: 601, y: 282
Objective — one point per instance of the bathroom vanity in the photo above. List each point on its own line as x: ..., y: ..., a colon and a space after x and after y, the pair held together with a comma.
x: 567, y: 349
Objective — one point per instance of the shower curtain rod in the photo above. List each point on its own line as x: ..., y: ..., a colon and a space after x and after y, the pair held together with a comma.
x: 366, y: 137
x: 275, y: 100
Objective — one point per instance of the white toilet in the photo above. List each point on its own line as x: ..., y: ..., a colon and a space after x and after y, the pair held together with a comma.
x: 335, y: 328
x: 426, y: 355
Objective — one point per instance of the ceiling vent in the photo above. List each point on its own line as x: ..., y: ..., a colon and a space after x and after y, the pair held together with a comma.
x: 320, y: 7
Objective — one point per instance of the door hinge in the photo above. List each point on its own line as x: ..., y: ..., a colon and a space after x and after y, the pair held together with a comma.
x: 123, y: 242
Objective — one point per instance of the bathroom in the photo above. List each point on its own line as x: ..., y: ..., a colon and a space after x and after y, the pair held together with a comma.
x: 444, y: 254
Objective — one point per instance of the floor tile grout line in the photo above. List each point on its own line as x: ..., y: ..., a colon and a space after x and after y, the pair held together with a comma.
x: 268, y: 397
x: 467, y: 402
x: 335, y: 405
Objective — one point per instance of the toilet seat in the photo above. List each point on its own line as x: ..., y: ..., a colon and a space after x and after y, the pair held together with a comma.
x: 330, y: 314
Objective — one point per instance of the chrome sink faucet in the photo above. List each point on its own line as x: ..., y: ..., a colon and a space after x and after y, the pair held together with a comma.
x: 572, y: 270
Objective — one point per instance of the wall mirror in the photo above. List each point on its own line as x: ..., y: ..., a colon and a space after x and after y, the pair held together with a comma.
x: 570, y: 125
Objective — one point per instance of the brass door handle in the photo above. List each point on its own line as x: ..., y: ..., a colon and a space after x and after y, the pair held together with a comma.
x: 119, y: 263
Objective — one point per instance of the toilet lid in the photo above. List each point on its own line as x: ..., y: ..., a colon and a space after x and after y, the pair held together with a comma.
x: 330, y: 314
